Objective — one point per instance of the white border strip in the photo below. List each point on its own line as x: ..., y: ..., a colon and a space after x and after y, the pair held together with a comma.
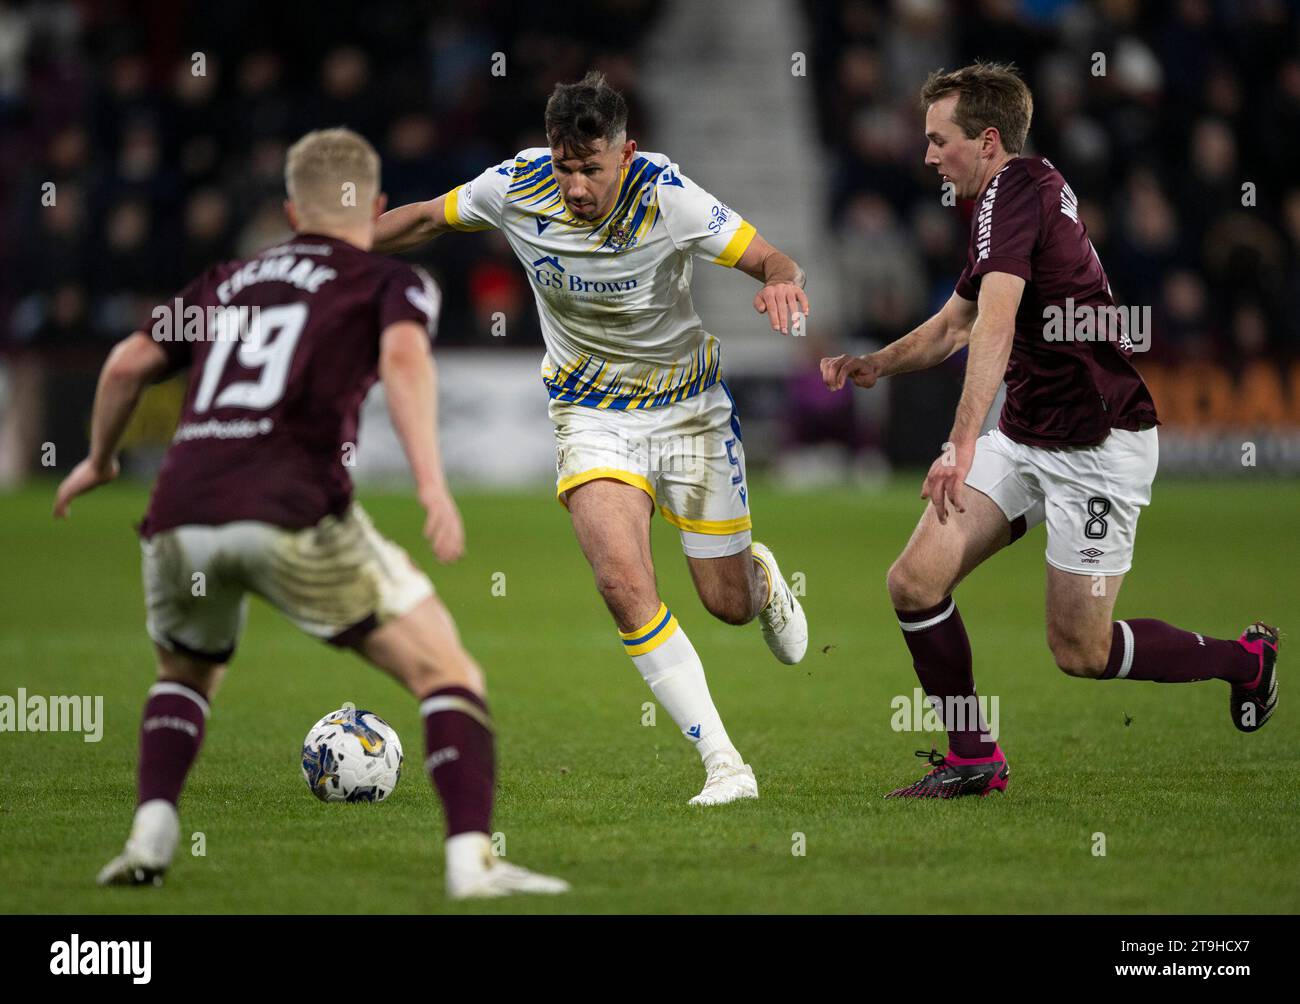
x: 450, y: 702
x: 1128, y: 650
x: 180, y: 690
x: 922, y: 625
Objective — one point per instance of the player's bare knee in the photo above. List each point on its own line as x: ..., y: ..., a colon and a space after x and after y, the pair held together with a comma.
x: 461, y: 671
x: 1076, y: 656
x: 623, y: 592
x: 199, y: 675
x: 423, y: 674
x: 909, y: 590
x: 475, y: 678
x: 730, y: 605
x: 1075, y: 664
x: 205, y: 686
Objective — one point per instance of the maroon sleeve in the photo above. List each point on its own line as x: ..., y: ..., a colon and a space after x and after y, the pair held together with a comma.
x: 167, y: 324
x: 965, y: 288
x: 410, y: 294
x: 1006, y: 226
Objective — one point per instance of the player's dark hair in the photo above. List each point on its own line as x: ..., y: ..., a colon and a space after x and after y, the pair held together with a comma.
x: 989, y: 94
x: 577, y: 115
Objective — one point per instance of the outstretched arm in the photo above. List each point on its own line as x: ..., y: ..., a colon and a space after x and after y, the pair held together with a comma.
x: 924, y: 346
x: 782, y: 297
x: 135, y: 362
x: 986, y: 365
x: 990, y: 348
x: 411, y: 387
x: 411, y: 225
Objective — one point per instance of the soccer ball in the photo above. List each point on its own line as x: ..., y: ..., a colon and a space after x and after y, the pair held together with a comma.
x: 352, y: 756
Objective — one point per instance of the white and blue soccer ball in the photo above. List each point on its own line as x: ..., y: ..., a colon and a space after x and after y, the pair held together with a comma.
x: 352, y: 755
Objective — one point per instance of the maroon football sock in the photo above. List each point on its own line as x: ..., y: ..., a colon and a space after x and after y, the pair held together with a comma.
x: 171, y: 732
x: 936, y: 637
x: 1147, y: 649
x: 460, y: 757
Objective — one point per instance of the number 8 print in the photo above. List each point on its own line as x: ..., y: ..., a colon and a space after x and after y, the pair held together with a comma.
x: 1098, y: 508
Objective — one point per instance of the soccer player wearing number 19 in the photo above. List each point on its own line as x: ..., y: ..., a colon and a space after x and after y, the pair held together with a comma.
x: 1075, y: 446
x: 253, y: 496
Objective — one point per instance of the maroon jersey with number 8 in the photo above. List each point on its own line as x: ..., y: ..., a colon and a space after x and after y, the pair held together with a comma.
x: 275, y: 388
x: 1059, y: 392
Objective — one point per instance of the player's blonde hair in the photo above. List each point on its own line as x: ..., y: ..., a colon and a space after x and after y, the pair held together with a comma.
x: 332, y: 174
x: 989, y: 94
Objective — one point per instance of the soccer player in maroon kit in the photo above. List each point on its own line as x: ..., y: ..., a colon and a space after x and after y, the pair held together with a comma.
x: 1075, y: 446
x: 253, y: 497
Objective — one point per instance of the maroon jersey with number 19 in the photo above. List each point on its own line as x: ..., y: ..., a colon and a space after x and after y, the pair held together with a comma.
x: 275, y: 390
x: 1059, y: 392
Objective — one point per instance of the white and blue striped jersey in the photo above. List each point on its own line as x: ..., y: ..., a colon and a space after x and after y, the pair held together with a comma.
x: 613, y: 295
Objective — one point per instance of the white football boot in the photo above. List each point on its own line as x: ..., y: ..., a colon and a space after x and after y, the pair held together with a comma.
x: 785, y: 628
x: 473, y: 872
x: 149, y: 849
x: 727, y: 782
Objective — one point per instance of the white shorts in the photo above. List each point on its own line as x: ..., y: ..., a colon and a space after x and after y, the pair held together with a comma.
x: 1089, y: 496
x: 336, y: 580
x: 686, y: 456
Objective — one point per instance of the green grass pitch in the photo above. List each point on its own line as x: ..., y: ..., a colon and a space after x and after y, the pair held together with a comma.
x: 1196, y: 817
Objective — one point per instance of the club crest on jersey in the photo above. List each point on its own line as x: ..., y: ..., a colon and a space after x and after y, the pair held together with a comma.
x: 620, y: 235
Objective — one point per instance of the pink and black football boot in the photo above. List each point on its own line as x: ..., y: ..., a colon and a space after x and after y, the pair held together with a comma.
x: 954, y: 776
x: 1251, y: 706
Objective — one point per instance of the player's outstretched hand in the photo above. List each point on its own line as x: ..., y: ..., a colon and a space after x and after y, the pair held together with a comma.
x: 86, y: 476
x: 785, y: 304
x: 946, y: 481
x: 443, y: 528
x: 860, y: 369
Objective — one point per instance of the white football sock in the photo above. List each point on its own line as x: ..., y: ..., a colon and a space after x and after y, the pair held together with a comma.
x: 468, y: 853
x: 155, y: 832
x: 666, y: 659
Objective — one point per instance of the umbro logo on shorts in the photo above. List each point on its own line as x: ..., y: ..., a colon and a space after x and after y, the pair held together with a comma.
x: 1091, y: 552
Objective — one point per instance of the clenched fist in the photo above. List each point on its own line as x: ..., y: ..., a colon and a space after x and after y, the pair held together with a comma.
x: 860, y: 369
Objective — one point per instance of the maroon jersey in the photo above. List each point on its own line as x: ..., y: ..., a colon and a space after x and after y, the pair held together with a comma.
x: 275, y: 389
x: 1060, y: 391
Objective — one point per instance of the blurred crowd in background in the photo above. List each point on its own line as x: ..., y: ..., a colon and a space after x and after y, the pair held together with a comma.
x: 158, y: 169
x: 1188, y: 102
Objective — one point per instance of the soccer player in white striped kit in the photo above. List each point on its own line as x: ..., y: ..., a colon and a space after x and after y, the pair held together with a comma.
x: 606, y: 235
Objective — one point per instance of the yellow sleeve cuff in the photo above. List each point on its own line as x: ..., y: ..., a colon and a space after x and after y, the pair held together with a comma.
x: 451, y: 210
x: 740, y: 240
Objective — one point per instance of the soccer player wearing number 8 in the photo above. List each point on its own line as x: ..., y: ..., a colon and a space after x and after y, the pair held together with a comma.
x: 1075, y: 446
x: 607, y: 236
x: 254, y: 496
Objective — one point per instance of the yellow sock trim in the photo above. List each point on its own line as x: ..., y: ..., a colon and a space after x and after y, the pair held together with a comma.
x: 652, y: 634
